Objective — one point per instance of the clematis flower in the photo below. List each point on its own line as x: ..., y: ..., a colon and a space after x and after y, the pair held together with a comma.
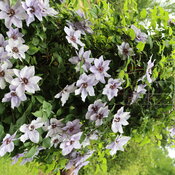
x: 6, y: 75
x: 78, y: 161
x: 100, y: 69
x: 16, y: 158
x: 33, y: 9
x: 15, y: 34
x: 85, y: 84
x: 111, y: 89
x: 71, y: 143
x: 120, y: 119
x: 55, y: 127
x: 26, y: 81
x: 94, y: 108
x: 12, y: 14
x: 7, y: 144
x: 140, y: 36
x: 13, y: 97
x: 3, y: 43
x: 64, y: 94
x: 56, y: 140
x: 30, y: 131
x: 148, y: 71
x: 172, y: 132
x: 16, y: 48
x: 89, y: 137
x: 72, y: 127
x: 83, y: 26
x: 139, y: 90
x: 98, y: 117
x: 125, y: 50
x: 120, y: 141
x: 82, y: 60
x: 4, y: 56
x: 73, y: 37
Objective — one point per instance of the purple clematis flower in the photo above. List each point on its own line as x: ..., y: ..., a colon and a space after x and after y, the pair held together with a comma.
x: 70, y: 143
x: 94, y: 108
x: 172, y: 132
x: 6, y: 75
x: 89, y: 137
x: 72, y: 127
x: 64, y: 94
x: 7, y: 144
x: 16, y: 48
x: 111, y: 89
x: 120, y: 141
x: 120, y: 119
x: 56, y: 140
x: 15, y: 34
x: 16, y: 158
x: 140, y: 36
x: 85, y: 84
x: 55, y: 127
x: 3, y: 43
x: 82, y: 60
x: 138, y: 91
x: 148, y: 74
x: 12, y: 14
x: 26, y: 81
x: 30, y: 131
x: 13, y: 97
x: 100, y: 69
x: 98, y: 117
x: 73, y: 37
x: 125, y: 50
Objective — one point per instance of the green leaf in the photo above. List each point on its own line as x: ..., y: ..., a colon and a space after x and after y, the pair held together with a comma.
x: 31, y: 152
x: 38, y: 114
x: 140, y: 46
x: 143, y: 13
x: 132, y: 34
x: 32, y: 50
x: 46, y: 142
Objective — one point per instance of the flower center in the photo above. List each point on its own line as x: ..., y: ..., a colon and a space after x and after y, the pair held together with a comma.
x: 7, y: 141
x: 72, y: 38
x: 11, y: 13
x: 56, y: 141
x: 15, y: 50
x: 84, y: 85
x: 71, y: 129
x: 95, y: 108
x: 14, y: 37
x: 71, y: 142
x: 117, y: 120
x: 99, y: 116
x: 125, y: 51
x: 100, y: 69
x: 113, y: 86
x: 32, y: 127
x: 2, y: 74
x: 13, y: 94
x: 25, y: 80
x: 54, y: 125
x: 32, y: 9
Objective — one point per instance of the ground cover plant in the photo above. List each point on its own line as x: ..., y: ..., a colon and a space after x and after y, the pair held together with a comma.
x: 80, y: 80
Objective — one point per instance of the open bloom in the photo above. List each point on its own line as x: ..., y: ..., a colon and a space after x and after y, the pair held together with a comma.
x: 7, y: 144
x: 6, y: 75
x: 26, y: 81
x: 16, y: 48
x: 15, y: 34
x: 85, y: 84
x: 82, y: 60
x: 64, y: 94
x: 125, y: 50
x: 12, y: 14
x: 55, y: 127
x: 3, y: 43
x: 100, y: 69
x: 30, y: 131
x: 70, y: 143
x: 111, y: 89
x: 13, y: 97
x: 120, y: 119
x: 148, y: 74
x: 98, y: 117
x: 118, y: 144
x: 56, y: 140
x: 72, y: 127
x: 138, y: 92
x: 140, y: 36
x: 73, y: 37
x: 94, y: 108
